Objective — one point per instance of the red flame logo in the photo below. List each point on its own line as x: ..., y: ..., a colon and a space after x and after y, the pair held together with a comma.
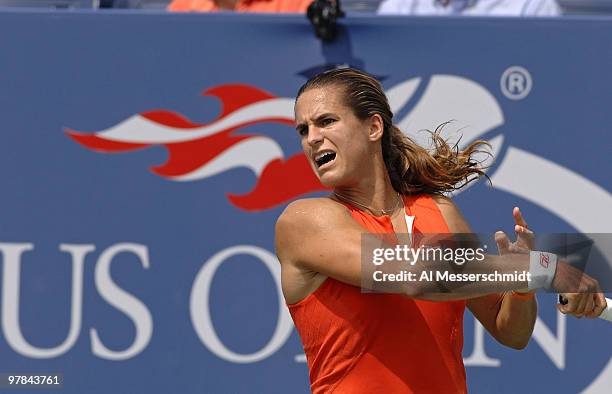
x: 198, y: 151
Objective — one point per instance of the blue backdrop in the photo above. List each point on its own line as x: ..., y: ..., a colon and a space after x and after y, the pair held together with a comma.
x: 145, y: 157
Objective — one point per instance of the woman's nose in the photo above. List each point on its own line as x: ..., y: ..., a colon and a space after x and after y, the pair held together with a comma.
x: 314, y: 136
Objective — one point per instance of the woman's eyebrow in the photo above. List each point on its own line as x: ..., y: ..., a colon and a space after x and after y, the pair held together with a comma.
x: 323, y: 116
x: 316, y: 119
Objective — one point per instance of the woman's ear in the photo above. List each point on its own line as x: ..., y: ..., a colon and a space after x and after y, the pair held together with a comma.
x: 376, y: 127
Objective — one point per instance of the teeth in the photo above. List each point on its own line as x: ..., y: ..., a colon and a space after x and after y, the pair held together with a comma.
x: 321, y: 155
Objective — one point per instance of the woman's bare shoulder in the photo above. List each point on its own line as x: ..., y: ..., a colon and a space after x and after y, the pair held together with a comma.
x: 451, y: 213
x: 309, y: 211
x: 309, y: 222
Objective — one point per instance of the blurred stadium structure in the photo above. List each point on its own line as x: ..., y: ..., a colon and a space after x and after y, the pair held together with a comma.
x: 569, y: 6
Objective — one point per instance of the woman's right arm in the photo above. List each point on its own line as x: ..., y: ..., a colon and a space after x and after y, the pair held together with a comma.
x: 320, y: 235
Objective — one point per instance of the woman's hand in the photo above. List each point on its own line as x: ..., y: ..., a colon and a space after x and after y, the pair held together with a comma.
x: 525, y: 238
x: 583, y: 304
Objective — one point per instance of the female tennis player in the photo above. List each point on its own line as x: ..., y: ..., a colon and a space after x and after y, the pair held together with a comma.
x: 383, y: 183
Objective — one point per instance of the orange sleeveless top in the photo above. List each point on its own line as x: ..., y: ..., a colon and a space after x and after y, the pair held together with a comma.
x: 382, y: 343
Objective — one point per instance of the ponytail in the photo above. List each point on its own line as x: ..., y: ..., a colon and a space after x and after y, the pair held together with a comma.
x: 414, y: 169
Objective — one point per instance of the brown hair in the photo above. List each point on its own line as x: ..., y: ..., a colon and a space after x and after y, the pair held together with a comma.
x: 411, y: 167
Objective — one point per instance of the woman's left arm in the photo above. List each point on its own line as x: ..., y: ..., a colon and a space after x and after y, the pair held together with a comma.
x: 509, y: 317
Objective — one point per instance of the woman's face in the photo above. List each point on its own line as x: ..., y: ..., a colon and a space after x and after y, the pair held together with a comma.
x: 334, y: 140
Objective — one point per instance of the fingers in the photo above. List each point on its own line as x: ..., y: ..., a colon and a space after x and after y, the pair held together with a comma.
x: 573, y: 304
x: 520, y: 230
x: 583, y: 304
x: 502, y: 241
x: 599, y: 305
x: 525, y: 238
x: 566, y: 308
x: 518, y: 217
x: 590, y: 304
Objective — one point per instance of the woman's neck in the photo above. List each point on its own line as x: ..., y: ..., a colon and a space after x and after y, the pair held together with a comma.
x: 377, y: 194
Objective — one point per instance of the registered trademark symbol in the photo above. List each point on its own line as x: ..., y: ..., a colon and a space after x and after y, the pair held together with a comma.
x: 516, y: 83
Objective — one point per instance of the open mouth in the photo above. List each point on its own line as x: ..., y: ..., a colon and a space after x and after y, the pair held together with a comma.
x: 323, y: 158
